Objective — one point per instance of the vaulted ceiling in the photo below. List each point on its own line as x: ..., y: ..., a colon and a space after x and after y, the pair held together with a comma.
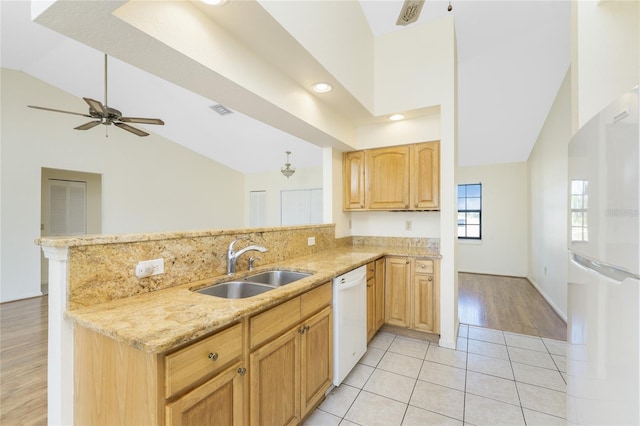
x: 512, y: 57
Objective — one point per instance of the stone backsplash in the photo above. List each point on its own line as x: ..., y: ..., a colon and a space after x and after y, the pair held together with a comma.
x: 102, y: 268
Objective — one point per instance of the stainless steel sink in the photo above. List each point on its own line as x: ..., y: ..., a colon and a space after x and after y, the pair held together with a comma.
x: 235, y: 289
x: 253, y: 284
x: 277, y: 278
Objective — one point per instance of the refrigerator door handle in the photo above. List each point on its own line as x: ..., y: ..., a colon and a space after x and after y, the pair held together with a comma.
x: 609, y: 271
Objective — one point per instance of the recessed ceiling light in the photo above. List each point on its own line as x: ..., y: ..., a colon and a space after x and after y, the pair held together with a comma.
x: 214, y: 2
x: 396, y: 117
x: 322, y: 87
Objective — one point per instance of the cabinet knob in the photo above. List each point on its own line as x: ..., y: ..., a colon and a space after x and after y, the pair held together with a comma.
x: 242, y: 371
x: 306, y: 328
x: 361, y: 206
x: 406, y: 206
x: 422, y: 266
x: 301, y: 330
x: 407, y: 262
x: 430, y: 279
x: 213, y: 356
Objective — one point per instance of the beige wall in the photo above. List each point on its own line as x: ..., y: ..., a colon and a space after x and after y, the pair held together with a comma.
x: 547, y: 176
x: 503, y: 248
x: 148, y: 184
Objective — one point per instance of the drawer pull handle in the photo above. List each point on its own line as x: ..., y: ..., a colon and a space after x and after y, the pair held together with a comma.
x: 213, y: 356
x: 242, y: 371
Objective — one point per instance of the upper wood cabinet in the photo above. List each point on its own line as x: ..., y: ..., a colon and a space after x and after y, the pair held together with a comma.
x: 353, y: 178
x: 425, y: 176
x: 405, y: 177
x: 387, y: 178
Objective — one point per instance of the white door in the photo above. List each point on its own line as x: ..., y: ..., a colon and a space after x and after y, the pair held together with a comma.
x: 67, y: 207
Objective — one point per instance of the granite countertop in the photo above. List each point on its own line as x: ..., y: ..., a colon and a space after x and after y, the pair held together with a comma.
x: 162, y: 320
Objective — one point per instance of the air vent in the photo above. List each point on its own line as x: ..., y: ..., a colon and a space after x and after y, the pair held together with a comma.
x: 221, y: 109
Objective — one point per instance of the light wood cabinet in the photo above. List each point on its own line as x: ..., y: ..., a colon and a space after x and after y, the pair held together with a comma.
x: 291, y: 371
x: 404, y: 177
x: 387, y: 178
x: 353, y: 179
x: 118, y: 384
x: 397, y: 293
x: 412, y: 293
x: 271, y: 369
x: 375, y: 297
x: 217, y: 402
x: 425, y: 176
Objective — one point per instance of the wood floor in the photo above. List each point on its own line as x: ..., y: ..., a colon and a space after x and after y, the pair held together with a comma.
x: 23, y: 362
x: 508, y: 304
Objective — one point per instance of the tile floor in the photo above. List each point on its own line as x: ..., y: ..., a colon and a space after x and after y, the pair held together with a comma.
x: 493, y: 378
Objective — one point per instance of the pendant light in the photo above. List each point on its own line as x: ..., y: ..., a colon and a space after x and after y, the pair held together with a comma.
x: 287, y: 170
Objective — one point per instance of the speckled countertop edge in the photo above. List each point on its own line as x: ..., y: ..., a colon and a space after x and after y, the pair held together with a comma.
x: 159, y: 321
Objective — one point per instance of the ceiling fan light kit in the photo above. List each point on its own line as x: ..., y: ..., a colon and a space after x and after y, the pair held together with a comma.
x: 103, y: 114
x: 410, y: 12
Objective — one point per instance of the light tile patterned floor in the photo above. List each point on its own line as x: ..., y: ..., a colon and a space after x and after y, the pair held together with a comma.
x: 493, y: 378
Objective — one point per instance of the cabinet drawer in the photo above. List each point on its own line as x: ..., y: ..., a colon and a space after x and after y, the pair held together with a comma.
x: 424, y: 266
x: 315, y: 300
x: 274, y: 321
x: 188, y: 365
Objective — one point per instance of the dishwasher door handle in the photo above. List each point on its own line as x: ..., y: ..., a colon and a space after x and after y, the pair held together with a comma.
x: 345, y: 285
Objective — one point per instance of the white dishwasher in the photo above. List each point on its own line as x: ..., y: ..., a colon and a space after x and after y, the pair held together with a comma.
x: 349, y: 321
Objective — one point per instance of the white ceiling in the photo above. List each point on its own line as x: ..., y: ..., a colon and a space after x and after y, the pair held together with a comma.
x: 512, y: 58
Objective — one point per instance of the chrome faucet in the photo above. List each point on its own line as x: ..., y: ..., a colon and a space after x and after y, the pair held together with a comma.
x: 232, y: 255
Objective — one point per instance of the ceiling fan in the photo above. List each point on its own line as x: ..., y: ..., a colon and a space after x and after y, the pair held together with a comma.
x: 103, y: 114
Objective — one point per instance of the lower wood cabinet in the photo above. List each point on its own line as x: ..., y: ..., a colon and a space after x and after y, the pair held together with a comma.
x: 217, y: 402
x: 412, y: 293
x: 290, y: 374
x: 270, y: 369
x: 375, y: 297
x: 291, y: 359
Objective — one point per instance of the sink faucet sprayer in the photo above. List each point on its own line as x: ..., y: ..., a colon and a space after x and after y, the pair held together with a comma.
x: 232, y: 255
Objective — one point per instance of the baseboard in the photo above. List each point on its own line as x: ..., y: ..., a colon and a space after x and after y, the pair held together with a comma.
x: 548, y: 299
x: 23, y: 297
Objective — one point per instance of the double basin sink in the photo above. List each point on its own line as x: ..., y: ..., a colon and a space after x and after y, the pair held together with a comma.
x: 253, y: 284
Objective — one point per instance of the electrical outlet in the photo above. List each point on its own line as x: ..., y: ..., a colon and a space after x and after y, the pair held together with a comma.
x: 148, y: 268
x: 408, y: 225
x: 311, y: 241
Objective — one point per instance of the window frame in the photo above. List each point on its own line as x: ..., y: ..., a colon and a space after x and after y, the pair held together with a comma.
x: 466, y: 211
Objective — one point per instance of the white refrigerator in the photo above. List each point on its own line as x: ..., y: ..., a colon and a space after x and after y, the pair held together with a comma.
x: 603, y: 350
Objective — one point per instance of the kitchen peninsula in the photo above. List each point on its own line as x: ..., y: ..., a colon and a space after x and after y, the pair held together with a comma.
x: 94, y: 292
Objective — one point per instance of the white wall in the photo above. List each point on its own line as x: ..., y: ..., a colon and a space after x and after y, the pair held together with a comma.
x: 547, y: 176
x: 605, y: 53
x: 273, y: 182
x: 503, y: 248
x: 149, y: 184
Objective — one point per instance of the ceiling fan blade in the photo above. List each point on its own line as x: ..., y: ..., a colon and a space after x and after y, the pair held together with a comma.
x: 131, y: 129
x: 59, y: 110
x: 96, y: 105
x: 142, y: 120
x: 89, y: 125
x: 410, y: 12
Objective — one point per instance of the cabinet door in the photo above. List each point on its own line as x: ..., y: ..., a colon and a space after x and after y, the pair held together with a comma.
x: 274, y: 372
x: 387, y: 178
x: 316, y: 360
x: 425, y: 176
x: 371, y: 308
x: 353, y: 180
x: 423, y: 299
x: 397, y: 295
x: 217, y: 402
x: 378, y: 319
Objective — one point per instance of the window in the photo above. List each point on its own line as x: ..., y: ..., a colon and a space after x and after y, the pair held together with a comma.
x: 470, y: 211
x: 579, y: 206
